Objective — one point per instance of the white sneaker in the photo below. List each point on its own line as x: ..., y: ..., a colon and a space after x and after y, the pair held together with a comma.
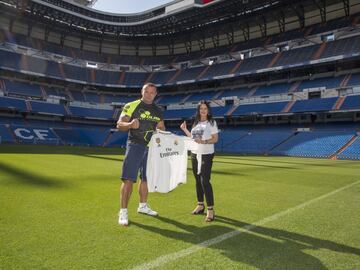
x: 147, y: 210
x: 123, y: 218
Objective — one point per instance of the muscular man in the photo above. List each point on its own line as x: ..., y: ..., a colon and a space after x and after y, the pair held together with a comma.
x: 140, y: 118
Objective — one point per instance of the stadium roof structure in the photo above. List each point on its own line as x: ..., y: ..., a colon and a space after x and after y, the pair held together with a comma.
x: 180, y: 21
x: 87, y: 3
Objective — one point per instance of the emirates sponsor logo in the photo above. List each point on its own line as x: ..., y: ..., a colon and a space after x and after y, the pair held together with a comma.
x: 169, y: 152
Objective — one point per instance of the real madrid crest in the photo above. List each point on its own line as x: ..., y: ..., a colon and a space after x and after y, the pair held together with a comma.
x: 157, y: 140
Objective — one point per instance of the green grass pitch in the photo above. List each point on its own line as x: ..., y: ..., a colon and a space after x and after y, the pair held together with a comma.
x: 59, y: 206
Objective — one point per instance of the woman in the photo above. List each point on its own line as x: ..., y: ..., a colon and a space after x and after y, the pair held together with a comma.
x: 205, y: 132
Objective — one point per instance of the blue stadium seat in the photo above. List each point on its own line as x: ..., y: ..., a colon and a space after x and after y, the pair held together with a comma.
x: 47, y: 108
x: 91, y: 113
x: 321, y: 144
x: 162, y: 77
x: 179, y: 114
x: 92, y: 97
x: 171, y: 99
x: 297, y: 56
x: 272, y: 89
x: 13, y: 104
x: 329, y: 83
x: 342, y: 47
x: 135, y: 79
x: 261, y: 108
x: 351, y: 103
x: 5, y: 134
x: 189, y: 73
x: 239, y: 92
x: 77, y: 95
x: 354, y: 80
x: 207, y: 95
x: 219, y: 70
x: 22, y: 88
x: 250, y: 65
x: 220, y: 111
x: 257, y: 141
x: 74, y: 135
x: 351, y: 152
x: 117, y: 139
x: 119, y: 99
x: 318, y: 104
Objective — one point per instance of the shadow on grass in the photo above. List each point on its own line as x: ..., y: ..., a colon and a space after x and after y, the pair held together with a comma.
x: 233, y: 172
x: 255, y: 165
x: 99, y: 157
x: 28, y: 178
x: 257, y: 246
x: 307, y: 161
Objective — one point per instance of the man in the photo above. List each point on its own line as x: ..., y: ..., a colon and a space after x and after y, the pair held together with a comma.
x: 141, y: 118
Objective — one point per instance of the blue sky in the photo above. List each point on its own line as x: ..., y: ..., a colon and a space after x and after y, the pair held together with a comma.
x: 128, y: 6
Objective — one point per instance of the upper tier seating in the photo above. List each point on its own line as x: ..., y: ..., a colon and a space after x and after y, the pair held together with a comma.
x: 21, y: 88
x: 347, y: 47
x: 159, y: 60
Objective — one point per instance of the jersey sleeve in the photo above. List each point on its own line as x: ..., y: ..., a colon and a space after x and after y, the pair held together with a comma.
x: 129, y: 108
x: 189, y: 143
x: 126, y: 110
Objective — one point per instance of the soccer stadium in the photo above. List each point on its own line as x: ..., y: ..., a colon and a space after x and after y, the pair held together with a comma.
x: 283, y: 81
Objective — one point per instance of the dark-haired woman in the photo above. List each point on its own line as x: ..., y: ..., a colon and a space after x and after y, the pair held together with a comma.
x: 205, y: 132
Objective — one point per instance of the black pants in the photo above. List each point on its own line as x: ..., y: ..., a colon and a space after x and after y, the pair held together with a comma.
x: 203, y: 185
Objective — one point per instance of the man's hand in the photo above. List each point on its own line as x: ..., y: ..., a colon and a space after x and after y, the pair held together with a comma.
x: 134, y: 124
x: 124, y: 123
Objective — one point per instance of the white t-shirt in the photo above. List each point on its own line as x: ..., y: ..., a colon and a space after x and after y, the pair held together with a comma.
x: 167, y: 161
x: 203, y: 130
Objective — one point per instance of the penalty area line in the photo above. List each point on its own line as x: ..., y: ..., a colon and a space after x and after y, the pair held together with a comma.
x: 187, y: 251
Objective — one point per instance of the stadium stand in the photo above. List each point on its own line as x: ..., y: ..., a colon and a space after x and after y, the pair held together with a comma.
x: 5, y: 133
x: 320, y: 144
x: 13, y: 104
x: 324, y: 104
x: 47, y: 108
x: 263, y: 108
x: 263, y: 81
x: 253, y: 142
x: 351, y: 102
x: 351, y: 152
x: 91, y: 113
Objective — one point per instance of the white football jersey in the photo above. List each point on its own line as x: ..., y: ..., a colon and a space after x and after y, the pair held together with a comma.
x: 167, y: 161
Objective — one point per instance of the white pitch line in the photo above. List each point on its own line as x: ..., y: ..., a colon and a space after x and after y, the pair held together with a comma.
x: 182, y: 253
